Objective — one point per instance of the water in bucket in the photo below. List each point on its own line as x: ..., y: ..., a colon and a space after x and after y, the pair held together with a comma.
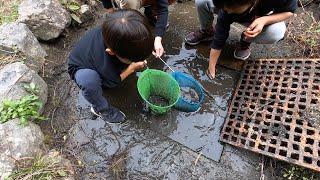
x: 159, y: 90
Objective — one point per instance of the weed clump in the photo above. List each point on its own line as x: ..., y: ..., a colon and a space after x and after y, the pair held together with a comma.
x: 40, y: 167
x: 26, y: 108
x: 304, y: 33
x: 8, y: 11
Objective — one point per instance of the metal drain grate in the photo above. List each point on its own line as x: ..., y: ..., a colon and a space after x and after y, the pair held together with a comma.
x: 275, y: 111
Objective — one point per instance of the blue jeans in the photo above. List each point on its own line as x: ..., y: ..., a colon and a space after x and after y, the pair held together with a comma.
x: 90, y: 83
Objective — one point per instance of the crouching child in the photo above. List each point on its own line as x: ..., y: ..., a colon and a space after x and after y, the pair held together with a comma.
x: 107, y: 55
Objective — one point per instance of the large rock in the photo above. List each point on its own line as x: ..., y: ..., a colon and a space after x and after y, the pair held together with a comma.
x: 14, y: 76
x: 16, y: 142
x: 17, y: 36
x: 46, y: 18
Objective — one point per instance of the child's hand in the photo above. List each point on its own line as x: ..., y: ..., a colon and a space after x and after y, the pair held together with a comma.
x: 214, y: 56
x: 211, y: 72
x: 136, y: 66
x: 158, y: 47
x: 255, y: 28
x: 133, y: 67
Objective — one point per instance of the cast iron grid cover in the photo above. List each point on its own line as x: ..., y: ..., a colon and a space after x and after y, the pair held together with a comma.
x: 275, y: 111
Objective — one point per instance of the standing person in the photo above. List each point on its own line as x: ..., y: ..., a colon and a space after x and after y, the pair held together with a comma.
x: 264, y: 20
x: 155, y: 10
x: 107, y: 55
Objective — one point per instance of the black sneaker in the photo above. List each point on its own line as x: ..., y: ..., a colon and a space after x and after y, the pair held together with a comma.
x: 198, y: 36
x: 242, y: 51
x: 112, y: 115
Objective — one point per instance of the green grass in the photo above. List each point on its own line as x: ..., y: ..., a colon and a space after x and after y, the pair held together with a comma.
x: 299, y: 173
x: 39, y: 167
x: 8, y: 11
x: 304, y: 32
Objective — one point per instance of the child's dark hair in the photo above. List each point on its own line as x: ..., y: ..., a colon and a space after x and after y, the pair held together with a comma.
x: 232, y: 3
x: 127, y: 33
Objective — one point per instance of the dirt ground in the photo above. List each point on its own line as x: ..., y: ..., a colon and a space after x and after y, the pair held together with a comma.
x: 136, y: 150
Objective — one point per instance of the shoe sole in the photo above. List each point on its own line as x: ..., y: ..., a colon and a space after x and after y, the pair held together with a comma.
x: 240, y: 58
x: 96, y: 114
x: 196, y: 43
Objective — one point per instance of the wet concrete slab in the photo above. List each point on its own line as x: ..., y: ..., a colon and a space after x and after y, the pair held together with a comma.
x: 128, y: 152
x: 131, y: 151
x: 199, y: 130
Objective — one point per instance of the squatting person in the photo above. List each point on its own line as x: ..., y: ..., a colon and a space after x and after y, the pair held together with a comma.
x: 155, y: 10
x: 264, y: 20
x: 107, y: 55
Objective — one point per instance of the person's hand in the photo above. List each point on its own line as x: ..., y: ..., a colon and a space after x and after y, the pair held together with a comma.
x: 255, y: 27
x: 214, y: 56
x: 136, y: 66
x: 158, y: 48
x: 211, y: 72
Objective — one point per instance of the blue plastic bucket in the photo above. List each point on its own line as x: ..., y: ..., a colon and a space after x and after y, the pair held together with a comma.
x: 184, y: 104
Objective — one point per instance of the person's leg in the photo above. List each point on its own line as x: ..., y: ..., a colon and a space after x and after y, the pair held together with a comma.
x: 205, y: 13
x: 150, y: 16
x: 269, y: 35
x: 205, y: 10
x: 90, y: 83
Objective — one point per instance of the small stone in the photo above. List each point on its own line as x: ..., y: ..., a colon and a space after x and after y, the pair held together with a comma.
x: 86, y: 14
x: 84, y: 9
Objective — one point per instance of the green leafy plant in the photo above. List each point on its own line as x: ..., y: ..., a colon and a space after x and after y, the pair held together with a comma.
x: 25, y: 109
x: 73, y: 7
x: 290, y: 173
x: 295, y: 172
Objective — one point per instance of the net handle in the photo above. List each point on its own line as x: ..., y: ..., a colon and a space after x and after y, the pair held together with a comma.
x: 166, y: 64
